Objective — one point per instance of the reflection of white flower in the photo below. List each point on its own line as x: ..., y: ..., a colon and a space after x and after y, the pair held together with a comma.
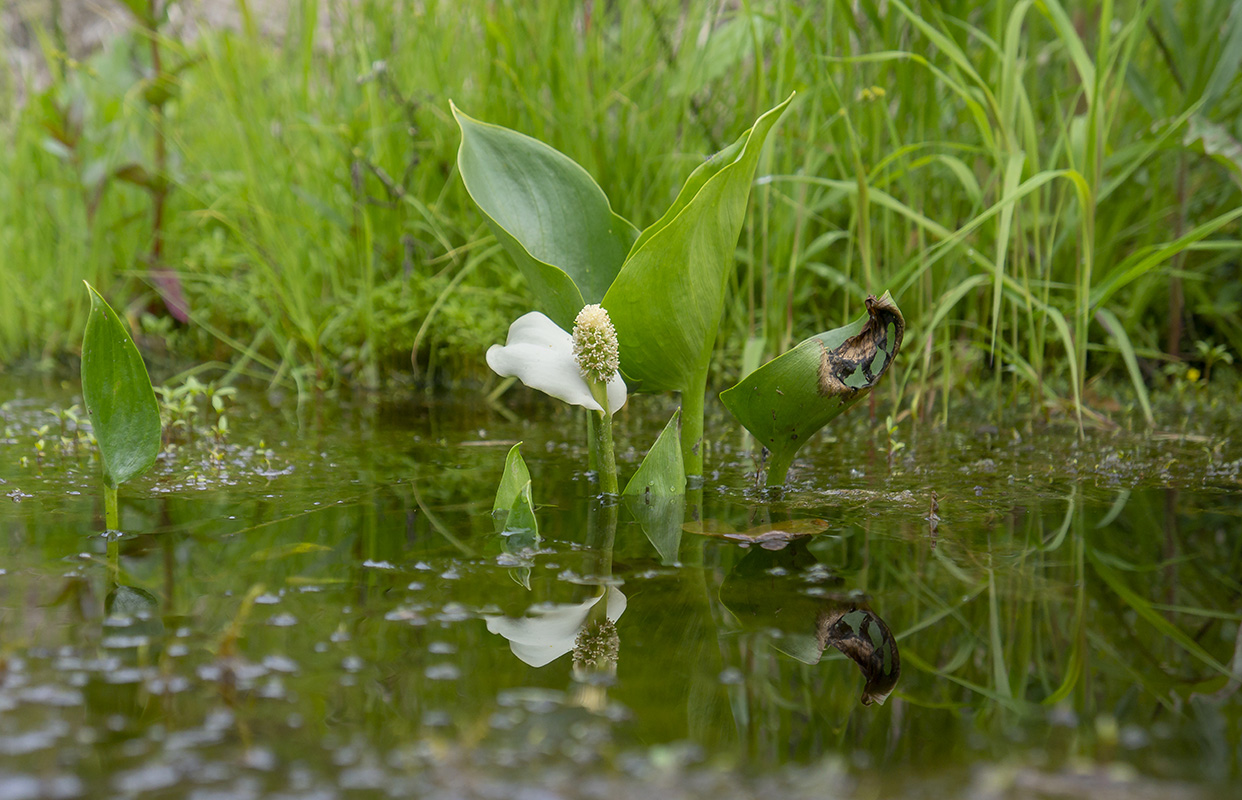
x: 550, y: 631
x: 541, y: 355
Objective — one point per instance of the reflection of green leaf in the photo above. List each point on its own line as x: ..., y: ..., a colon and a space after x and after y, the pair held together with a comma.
x: 520, y: 533
x: 286, y: 550
x: 667, y: 300
x: 1145, y: 611
x: 515, y: 476
x: 663, y: 472
x: 549, y: 214
x: 118, y: 394
x: 788, y: 399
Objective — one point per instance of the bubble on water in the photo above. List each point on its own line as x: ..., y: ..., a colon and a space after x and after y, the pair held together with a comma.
x: 279, y: 663
x: 147, y: 778
x: 51, y: 696
x: 442, y: 672
x: 19, y: 787
x: 284, y: 620
x: 35, y: 740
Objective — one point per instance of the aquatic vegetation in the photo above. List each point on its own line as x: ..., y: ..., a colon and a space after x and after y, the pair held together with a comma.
x: 117, y: 391
x: 787, y: 400
x: 664, y: 287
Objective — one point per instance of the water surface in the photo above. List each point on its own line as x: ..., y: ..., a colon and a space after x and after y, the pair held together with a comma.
x: 318, y: 606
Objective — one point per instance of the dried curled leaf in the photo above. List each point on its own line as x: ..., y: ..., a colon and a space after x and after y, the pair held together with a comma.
x: 788, y: 399
x: 867, y: 355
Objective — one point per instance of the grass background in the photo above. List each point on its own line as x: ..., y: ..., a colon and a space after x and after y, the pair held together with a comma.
x: 1051, y: 191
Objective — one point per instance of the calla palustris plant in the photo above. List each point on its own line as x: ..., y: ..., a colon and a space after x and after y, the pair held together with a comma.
x: 788, y: 399
x: 118, y: 396
x: 664, y: 288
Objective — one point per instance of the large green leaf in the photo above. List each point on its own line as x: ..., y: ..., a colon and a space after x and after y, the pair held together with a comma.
x: 667, y: 301
x: 549, y: 214
x: 118, y: 395
x: 788, y: 399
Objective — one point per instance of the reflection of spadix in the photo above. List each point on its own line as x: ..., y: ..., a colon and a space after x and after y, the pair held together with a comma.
x: 549, y: 631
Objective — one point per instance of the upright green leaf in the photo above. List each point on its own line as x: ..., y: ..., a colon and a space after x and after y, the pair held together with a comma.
x: 662, y: 473
x: 667, y: 301
x: 118, y: 395
x: 656, y: 495
x: 788, y: 399
x: 515, y: 476
x: 547, y: 212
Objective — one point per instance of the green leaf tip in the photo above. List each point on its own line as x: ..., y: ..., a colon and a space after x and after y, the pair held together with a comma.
x: 788, y: 399
x: 116, y: 390
x: 663, y: 471
x: 515, y: 476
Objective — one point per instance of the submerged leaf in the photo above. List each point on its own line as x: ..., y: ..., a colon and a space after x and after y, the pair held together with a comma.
x: 547, y: 212
x: 788, y: 399
x: 772, y: 536
x: 118, y: 395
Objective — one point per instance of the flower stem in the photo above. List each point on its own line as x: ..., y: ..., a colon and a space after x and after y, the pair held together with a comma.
x: 602, y: 428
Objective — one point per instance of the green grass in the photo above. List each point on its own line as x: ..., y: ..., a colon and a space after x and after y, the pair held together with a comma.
x: 1051, y: 193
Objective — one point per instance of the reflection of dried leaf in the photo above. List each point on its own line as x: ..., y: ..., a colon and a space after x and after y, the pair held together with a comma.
x: 862, y: 636
x: 868, y: 354
x: 772, y: 536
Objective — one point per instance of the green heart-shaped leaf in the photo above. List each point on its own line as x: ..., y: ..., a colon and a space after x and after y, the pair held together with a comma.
x: 788, y: 399
x: 547, y: 212
x: 667, y: 301
x: 118, y: 395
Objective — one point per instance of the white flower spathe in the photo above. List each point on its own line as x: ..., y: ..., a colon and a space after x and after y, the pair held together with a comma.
x: 549, y: 631
x: 541, y: 355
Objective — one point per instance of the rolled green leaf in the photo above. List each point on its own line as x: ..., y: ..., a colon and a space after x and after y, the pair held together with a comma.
x: 547, y: 212
x: 118, y: 395
x: 667, y: 301
x: 788, y: 399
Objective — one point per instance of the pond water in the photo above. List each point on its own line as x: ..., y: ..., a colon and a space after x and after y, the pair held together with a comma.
x: 318, y: 606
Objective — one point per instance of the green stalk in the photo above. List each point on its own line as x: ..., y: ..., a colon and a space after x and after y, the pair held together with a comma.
x: 692, y: 425
x: 602, y: 429
x: 778, y: 470
x: 110, y: 510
